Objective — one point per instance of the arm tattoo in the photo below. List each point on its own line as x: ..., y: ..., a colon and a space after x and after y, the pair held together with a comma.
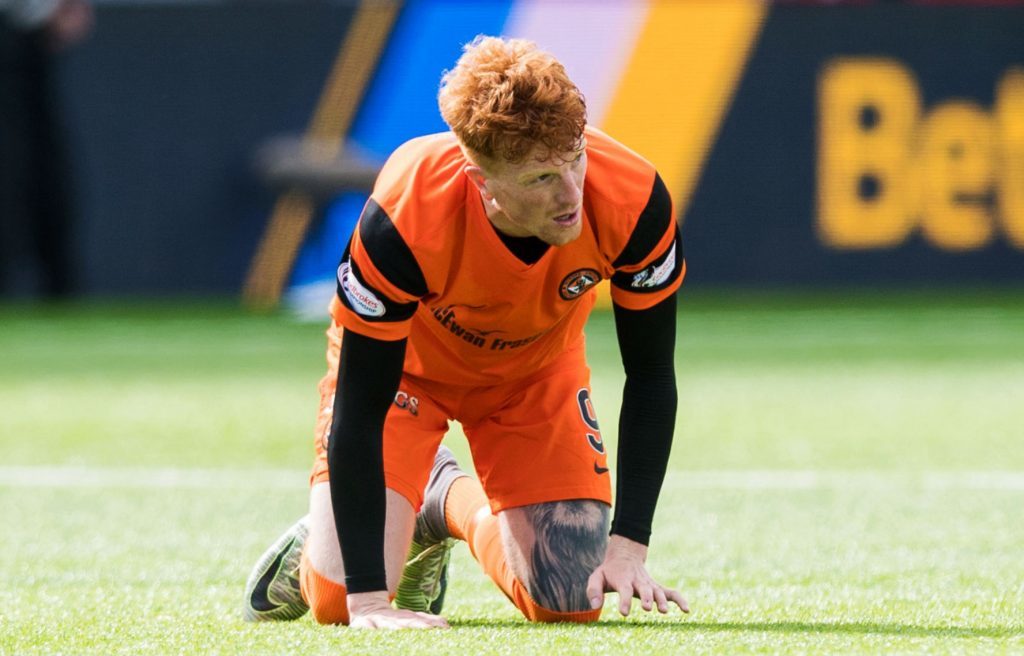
x: 571, y: 540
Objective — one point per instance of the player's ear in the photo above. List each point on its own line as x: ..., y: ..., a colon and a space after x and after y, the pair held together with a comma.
x: 479, y: 179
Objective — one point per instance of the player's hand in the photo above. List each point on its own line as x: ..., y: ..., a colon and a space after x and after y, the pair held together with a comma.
x: 624, y: 571
x: 372, y: 610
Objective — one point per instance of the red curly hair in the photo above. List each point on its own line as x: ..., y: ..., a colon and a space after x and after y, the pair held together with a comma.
x: 506, y: 97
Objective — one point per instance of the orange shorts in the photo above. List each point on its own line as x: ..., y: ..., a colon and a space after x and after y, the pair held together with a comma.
x: 533, y: 440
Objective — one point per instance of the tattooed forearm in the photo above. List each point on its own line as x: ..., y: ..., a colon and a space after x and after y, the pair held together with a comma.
x: 571, y: 541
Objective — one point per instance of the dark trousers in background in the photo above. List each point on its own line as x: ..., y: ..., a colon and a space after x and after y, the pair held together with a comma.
x: 36, y: 255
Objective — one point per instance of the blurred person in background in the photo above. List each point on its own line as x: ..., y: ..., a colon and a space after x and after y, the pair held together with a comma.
x: 36, y: 253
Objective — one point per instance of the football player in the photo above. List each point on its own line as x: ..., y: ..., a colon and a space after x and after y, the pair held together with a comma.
x: 463, y: 295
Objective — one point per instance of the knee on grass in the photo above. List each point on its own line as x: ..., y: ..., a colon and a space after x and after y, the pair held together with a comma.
x: 570, y: 541
x: 534, y: 612
x: 327, y: 599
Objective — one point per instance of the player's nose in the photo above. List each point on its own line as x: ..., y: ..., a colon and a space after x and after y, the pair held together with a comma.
x: 569, y: 191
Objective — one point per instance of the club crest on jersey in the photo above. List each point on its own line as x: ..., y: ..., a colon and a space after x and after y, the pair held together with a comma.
x: 577, y: 282
x: 362, y: 300
x: 656, y: 274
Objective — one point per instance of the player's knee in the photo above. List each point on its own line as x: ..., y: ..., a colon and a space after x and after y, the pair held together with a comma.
x: 561, y: 599
x: 325, y: 613
x: 571, y: 538
x: 548, y: 616
x: 327, y: 599
x: 537, y: 613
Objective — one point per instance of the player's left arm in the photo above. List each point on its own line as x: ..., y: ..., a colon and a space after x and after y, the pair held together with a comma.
x: 650, y: 270
x: 646, y: 425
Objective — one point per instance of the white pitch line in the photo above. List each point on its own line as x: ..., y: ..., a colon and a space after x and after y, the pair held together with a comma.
x: 142, y: 477
x: 43, y: 476
x: 802, y: 479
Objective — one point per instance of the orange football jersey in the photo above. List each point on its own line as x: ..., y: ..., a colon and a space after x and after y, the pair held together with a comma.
x: 426, y: 263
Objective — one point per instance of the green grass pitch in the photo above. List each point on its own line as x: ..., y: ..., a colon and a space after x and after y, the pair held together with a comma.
x: 847, y: 477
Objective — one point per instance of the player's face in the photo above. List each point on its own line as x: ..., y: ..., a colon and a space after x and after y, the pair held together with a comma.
x: 543, y: 199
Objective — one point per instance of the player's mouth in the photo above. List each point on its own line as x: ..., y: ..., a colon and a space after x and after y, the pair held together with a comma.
x: 568, y: 220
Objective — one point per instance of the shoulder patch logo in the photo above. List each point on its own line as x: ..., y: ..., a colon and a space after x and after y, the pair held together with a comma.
x: 362, y: 300
x: 577, y: 282
x: 656, y: 274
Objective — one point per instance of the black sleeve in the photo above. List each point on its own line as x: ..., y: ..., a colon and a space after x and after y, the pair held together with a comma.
x: 647, y: 341
x: 392, y: 257
x: 369, y: 371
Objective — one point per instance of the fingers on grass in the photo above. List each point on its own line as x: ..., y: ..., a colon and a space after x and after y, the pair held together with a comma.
x: 595, y: 589
x: 625, y: 599
x: 661, y: 600
x: 646, y: 594
x: 362, y: 623
x: 405, y: 621
x: 678, y: 599
x: 433, y: 621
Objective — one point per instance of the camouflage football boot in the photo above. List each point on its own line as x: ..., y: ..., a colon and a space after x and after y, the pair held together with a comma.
x: 425, y: 577
x: 272, y: 591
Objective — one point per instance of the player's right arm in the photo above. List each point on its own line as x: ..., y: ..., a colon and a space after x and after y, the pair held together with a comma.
x: 368, y: 374
x: 378, y: 284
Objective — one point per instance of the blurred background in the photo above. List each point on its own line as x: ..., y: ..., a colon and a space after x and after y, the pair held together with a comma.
x: 224, y: 148
x: 848, y: 462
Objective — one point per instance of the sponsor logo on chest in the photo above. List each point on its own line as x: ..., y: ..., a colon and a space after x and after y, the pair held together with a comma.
x: 483, y: 339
